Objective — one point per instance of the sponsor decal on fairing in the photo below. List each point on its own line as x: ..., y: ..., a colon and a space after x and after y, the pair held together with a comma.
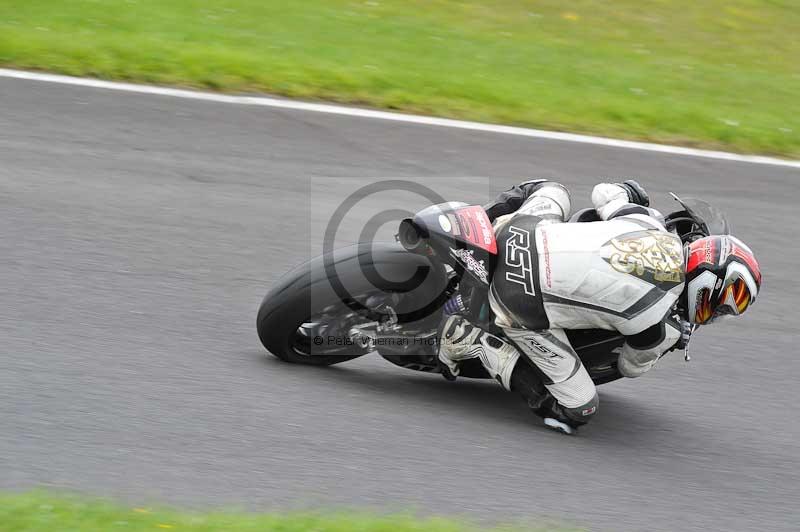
x: 476, y: 228
x: 472, y: 264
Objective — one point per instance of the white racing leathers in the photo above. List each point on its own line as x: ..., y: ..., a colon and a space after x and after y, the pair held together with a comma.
x: 624, y: 273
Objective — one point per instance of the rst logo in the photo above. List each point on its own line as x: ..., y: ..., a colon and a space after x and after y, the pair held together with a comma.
x: 518, y: 256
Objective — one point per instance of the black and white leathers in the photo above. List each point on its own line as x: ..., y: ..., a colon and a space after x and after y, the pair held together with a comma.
x: 624, y: 273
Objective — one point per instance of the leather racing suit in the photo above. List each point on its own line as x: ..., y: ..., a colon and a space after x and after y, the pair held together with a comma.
x: 624, y: 273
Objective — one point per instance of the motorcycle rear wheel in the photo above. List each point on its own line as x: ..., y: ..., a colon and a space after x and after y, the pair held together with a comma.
x: 302, y: 311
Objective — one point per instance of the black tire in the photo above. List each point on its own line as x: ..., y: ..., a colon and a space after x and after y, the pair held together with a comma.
x: 361, y: 269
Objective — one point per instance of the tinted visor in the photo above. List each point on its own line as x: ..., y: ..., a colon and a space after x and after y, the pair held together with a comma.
x: 737, y: 295
x: 734, y: 300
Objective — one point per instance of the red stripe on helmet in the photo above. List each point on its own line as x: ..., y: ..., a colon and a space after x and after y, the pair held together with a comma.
x: 749, y: 260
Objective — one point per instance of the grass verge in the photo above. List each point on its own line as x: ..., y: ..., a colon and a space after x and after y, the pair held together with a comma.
x: 717, y: 73
x: 43, y: 512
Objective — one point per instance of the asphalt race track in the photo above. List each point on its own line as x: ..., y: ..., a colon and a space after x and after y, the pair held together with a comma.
x: 139, y: 233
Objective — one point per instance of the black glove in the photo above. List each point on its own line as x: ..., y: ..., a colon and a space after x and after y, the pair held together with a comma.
x: 636, y: 192
x: 686, y: 334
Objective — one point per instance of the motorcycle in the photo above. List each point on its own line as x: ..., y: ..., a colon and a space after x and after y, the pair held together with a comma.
x: 389, y: 298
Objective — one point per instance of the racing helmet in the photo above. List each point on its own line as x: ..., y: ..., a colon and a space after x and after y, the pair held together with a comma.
x: 722, y: 278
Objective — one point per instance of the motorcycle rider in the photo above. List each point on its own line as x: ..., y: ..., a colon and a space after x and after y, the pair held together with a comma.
x: 625, y: 273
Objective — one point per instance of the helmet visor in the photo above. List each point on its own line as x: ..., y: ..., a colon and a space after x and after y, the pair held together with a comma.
x: 734, y: 299
x: 737, y: 296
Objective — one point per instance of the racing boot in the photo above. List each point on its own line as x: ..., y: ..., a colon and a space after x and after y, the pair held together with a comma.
x: 527, y: 383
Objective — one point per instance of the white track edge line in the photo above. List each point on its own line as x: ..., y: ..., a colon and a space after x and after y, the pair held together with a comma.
x: 396, y: 117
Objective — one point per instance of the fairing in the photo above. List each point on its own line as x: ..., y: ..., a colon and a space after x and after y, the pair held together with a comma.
x: 462, y: 235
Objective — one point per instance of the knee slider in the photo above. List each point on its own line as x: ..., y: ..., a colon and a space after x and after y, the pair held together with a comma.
x: 585, y: 412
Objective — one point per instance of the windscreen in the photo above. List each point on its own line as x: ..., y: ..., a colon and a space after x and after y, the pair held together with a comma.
x: 710, y: 218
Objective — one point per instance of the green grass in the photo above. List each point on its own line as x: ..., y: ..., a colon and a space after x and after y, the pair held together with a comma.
x: 716, y: 73
x: 39, y: 511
